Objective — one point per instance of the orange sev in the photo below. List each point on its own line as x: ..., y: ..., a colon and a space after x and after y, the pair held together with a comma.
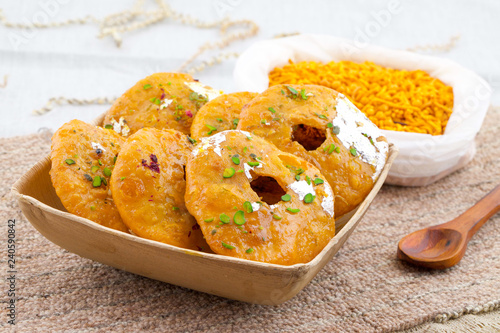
x: 398, y: 100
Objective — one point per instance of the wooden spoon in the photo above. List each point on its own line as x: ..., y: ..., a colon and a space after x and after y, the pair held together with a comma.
x: 444, y: 245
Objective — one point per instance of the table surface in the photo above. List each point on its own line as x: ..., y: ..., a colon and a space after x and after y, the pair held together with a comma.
x: 72, y: 62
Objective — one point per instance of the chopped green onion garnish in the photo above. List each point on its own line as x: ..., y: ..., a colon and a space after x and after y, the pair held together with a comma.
x: 87, y: 177
x: 293, y: 210
x: 228, y: 172
x: 297, y: 177
x: 146, y: 86
x: 321, y: 116
x: 92, y: 207
x: 104, y: 181
x: 235, y: 122
x: 224, y: 218
x: 282, y: 92
x: 193, y: 141
x: 271, y: 109
x: 236, y: 159
x: 94, y: 169
x: 214, y: 231
x: 262, y: 121
x: 97, y: 181
x: 175, y: 208
x: 249, y: 250
x: 318, y: 181
x: 261, y: 228
x: 209, y: 220
x: 329, y: 125
x: 286, y: 197
x: 108, y: 126
x: 219, y: 120
x: 114, y: 159
x: 239, y: 218
x: 336, y: 130
x: 331, y: 148
x: 69, y: 161
x: 247, y: 205
x: 308, y: 180
x: 107, y: 172
x: 308, y: 198
x: 122, y: 178
x: 253, y: 164
x: 353, y: 152
x: 100, y: 162
x: 227, y: 246
x: 211, y: 128
x: 276, y: 217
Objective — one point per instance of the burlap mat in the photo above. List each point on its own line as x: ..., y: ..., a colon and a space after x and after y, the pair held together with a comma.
x: 364, y: 288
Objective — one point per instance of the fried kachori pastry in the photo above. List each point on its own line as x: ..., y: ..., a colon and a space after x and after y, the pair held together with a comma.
x: 161, y: 100
x: 256, y: 202
x: 83, y: 159
x: 322, y: 126
x: 220, y: 114
x: 148, y: 188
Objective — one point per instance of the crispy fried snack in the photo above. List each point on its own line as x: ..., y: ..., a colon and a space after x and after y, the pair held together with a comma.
x: 256, y: 202
x: 220, y: 114
x: 82, y: 161
x: 161, y: 100
x: 325, y: 128
x: 148, y: 188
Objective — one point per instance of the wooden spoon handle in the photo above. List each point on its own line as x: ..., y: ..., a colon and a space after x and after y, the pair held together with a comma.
x: 473, y: 218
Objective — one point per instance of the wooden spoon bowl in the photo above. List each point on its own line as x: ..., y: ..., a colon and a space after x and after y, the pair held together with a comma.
x: 444, y: 245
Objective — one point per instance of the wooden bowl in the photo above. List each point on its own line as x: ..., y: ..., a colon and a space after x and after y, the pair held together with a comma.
x: 229, y: 277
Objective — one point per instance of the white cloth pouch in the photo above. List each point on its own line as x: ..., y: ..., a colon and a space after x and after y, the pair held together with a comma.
x: 423, y: 158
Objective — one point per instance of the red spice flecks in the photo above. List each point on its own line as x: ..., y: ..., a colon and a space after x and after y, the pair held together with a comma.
x: 154, y: 166
x: 189, y: 114
x: 162, y: 96
x: 199, y: 248
x: 195, y: 227
x: 189, y: 234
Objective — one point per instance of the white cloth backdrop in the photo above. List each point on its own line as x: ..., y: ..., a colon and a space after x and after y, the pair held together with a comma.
x: 73, y: 63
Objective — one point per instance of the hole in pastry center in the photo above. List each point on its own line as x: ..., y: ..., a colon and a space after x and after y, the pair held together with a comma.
x: 268, y: 189
x: 309, y: 137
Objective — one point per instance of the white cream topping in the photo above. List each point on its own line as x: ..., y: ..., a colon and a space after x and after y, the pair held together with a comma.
x: 255, y: 206
x: 302, y: 188
x: 211, y: 141
x: 166, y: 103
x: 353, y: 124
x: 120, y: 126
x: 97, y: 146
x: 327, y: 202
x: 199, y: 88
